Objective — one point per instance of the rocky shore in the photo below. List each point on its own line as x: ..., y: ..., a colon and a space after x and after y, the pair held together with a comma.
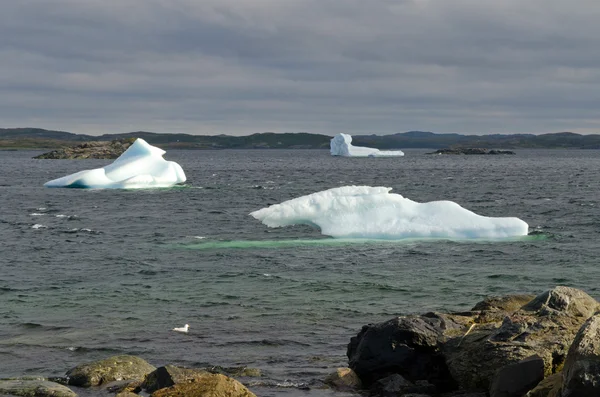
x: 511, y: 346
x: 471, y: 151
x: 90, y: 150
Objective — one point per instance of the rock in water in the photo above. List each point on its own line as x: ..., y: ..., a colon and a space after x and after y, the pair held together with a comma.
x: 90, y: 150
x: 206, y: 385
x: 108, y: 370
x: 471, y: 151
x: 170, y: 375
x: 34, y: 388
x: 343, y: 379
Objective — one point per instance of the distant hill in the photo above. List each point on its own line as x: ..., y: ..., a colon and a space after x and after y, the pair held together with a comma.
x: 40, y: 138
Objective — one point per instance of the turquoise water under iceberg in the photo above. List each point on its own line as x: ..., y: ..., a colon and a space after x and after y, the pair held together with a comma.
x: 90, y: 273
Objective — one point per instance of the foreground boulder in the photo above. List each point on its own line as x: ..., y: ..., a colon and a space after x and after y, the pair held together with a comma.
x: 546, y: 326
x: 206, y: 385
x: 108, y: 370
x: 409, y: 346
x: 581, y: 376
x: 34, y: 388
x: 467, y: 351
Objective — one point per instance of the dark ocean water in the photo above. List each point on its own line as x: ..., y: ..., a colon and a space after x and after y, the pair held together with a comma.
x: 85, y: 274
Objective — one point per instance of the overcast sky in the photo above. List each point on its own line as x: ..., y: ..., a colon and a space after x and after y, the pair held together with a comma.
x: 323, y: 66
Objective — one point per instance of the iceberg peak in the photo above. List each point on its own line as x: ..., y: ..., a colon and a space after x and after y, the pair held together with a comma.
x: 140, y: 166
x: 341, y: 145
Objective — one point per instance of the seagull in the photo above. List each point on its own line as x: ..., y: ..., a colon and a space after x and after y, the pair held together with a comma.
x: 183, y: 329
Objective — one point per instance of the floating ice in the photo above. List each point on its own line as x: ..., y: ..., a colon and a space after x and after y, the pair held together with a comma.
x: 375, y: 213
x: 140, y: 166
x: 183, y: 329
x: 341, y: 145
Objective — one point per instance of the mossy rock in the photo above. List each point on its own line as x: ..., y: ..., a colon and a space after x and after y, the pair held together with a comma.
x: 34, y: 388
x: 108, y: 370
x: 207, y: 385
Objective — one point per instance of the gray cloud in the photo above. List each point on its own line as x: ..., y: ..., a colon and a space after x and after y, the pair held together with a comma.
x: 326, y: 66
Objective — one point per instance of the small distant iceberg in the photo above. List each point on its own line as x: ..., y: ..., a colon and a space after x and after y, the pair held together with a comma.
x: 374, y: 213
x: 341, y: 145
x: 140, y: 166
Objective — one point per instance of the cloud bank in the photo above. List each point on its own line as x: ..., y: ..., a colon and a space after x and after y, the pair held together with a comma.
x: 323, y: 66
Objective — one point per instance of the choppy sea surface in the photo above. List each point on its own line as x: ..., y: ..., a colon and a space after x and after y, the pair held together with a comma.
x: 85, y: 274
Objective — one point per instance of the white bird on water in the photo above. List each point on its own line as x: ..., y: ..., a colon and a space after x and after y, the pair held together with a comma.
x: 183, y: 329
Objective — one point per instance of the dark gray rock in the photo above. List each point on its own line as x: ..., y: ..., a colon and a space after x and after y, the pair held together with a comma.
x: 514, y: 380
x: 392, y: 386
x: 409, y: 346
x: 581, y: 374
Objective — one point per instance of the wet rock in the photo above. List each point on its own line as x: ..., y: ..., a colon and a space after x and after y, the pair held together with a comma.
x: 392, y: 386
x: 344, y: 379
x: 235, y: 371
x: 170, y: 375
x: 549, y: 387
x: 514, y: 380
x: 34, y: 388
x: 581, y: 375
x: 206, y: 385
x: 108, y: 370
x: 126, y: 393
x: 91, y: 150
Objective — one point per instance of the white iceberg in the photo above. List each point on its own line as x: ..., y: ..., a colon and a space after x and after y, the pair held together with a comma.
x: 341, y: 145
x: 375, y: 213
x: 140, y: 166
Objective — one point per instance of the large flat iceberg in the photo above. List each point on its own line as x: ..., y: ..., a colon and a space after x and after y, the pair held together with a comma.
x: 140, y: 166
x: 341, y: 145
x: 375, y: 213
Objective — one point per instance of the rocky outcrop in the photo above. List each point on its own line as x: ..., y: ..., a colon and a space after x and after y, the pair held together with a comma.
x: 34, y: 388
x: 471, y: 151
x: 109, y: 370
x: 90, y: 150
x: 581, y: 375
x: 206, y: 385
x: 468, y: 351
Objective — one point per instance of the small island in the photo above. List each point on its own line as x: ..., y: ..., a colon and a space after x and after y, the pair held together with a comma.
x: 90, y: 150
x: 471, y: 151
